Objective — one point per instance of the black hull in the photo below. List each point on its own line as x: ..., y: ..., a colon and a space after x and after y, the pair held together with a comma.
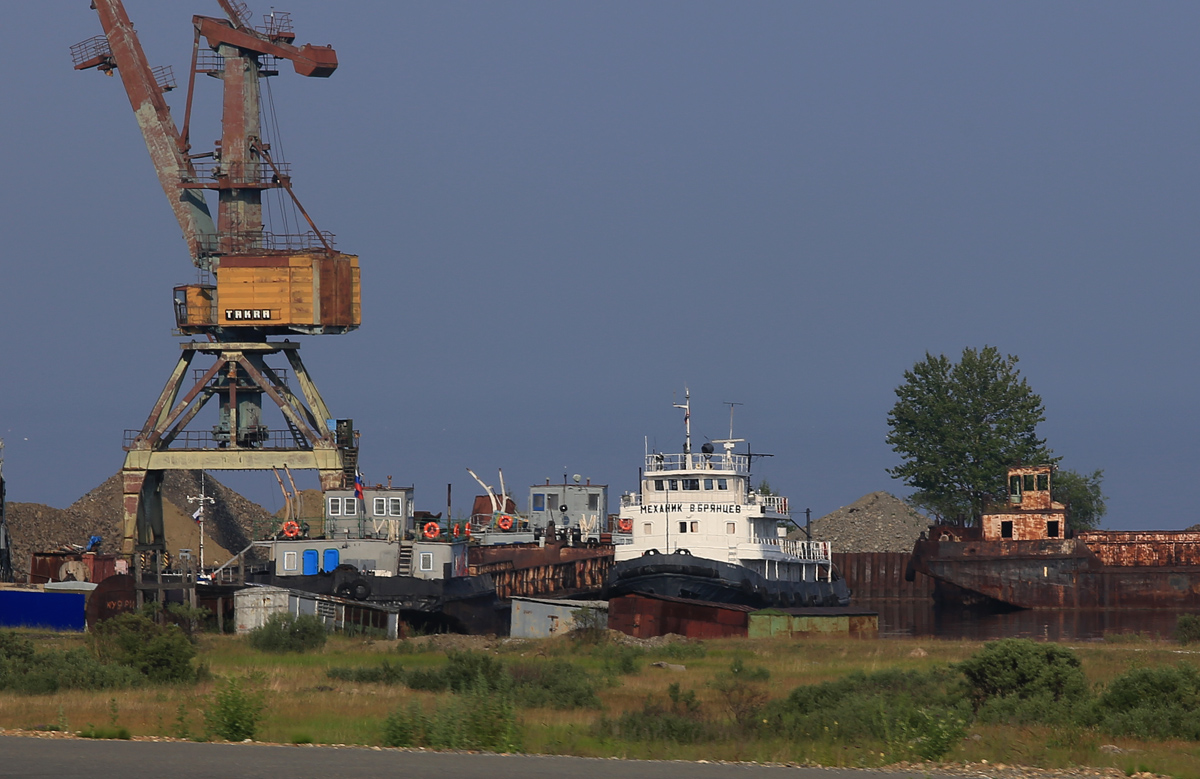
x: 465, y: 604
x: 682, y: 575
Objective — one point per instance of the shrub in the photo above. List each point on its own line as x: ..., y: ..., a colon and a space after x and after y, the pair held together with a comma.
x: 162, y: 654
x: 556, y: 684
x: 24, y: 670
x: 384, y: 673
x: 1162, y: 702
x: 1017, y: 667
x: 283, y: 632
x: 481, y: 717
x: 912, y: 712
x: 679, y: 722
x: 619, y: 660
x: 234, y: 712
x: 1187, y: 628
x: 590, y: 626
x: 743, y: 690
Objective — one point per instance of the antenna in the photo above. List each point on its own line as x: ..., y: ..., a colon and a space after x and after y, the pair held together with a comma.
x: 731, y: 405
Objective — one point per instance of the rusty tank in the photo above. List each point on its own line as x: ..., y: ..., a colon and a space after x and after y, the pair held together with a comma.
x: 1024, y: 556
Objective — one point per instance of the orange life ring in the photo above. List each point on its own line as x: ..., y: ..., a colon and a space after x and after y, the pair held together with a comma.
x: 505, y: 522
x: 291, y: 529
x: 468, y: 526
x: 625, y: 525
x: 457, y: 530
x: 432, y: 530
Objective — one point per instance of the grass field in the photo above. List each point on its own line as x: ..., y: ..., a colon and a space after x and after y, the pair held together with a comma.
x: 303, y: 704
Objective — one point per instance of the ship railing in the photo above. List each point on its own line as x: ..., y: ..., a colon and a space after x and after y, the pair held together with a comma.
x: 776, y: 503
x: 727, y: 463
x: 805, y: 550
x: 629, y: 500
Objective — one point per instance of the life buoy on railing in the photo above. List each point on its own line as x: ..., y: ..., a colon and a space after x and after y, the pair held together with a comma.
x: 505, y: 522
x: 457, y: 530
x: 468, y: 527
x: 291, y: 529
x: 625, y: 525
x: 432, y: 530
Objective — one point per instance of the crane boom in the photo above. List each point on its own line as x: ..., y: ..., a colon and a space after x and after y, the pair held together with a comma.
x: 124, y: 52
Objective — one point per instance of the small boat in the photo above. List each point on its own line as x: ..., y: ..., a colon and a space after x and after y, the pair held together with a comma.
x: 698, y: 529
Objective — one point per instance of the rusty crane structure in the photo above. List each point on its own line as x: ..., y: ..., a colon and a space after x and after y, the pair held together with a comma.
x: 251, y: 282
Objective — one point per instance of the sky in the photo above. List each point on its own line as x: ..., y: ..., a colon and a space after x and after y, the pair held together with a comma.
x: 568, y: 212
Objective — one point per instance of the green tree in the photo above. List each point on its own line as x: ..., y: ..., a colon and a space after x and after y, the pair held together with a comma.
x: 959, y: 426
x: 1081, y: 494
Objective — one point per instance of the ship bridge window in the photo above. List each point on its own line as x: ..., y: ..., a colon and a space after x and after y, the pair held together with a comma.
x: 539, y: 501
x: 380, y: 506
x: 708, y: 484
x: 1043, y: 481
x: 672, y: 484
x: 593, y: 502
x: 335, y: 507
x: 551, y: 499
x: 658, y: 484
x: 722, y: 484
x: 1028, y: 482
x: 349, y: 507
x: 1006, y: 529
x: 1052, y: 528
x: 1014, y: 485
x: 683, y: 527
x: 395, y: 507
x: 691, y: 484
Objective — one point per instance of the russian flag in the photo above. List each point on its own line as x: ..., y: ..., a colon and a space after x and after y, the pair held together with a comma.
x: 358, y: 486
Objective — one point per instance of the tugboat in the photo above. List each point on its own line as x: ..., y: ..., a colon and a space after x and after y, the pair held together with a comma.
x: 697, y: 529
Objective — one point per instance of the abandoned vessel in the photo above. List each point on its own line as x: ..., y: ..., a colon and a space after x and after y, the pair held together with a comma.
x: 698, y: 529
x: 1024, y: 555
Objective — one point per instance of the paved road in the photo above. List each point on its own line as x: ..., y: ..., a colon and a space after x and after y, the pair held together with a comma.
x: 87, y: 759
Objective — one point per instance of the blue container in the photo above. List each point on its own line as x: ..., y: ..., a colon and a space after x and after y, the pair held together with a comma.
x: 53, y: 610
x: 331, y: 559
x: 312, y: 562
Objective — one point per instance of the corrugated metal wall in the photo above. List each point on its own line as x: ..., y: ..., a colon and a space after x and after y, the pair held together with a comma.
x: 880, y: 575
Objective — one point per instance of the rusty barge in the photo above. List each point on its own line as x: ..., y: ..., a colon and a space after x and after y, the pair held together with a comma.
x: 1024, y: 556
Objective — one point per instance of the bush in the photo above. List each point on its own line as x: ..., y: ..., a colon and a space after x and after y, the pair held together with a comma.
x: 162, y: 654
x: 912, y: 712
x: 680, y: 721
x: 1017, y: 667
x: 234, y: 713
x: 384, y: 673
x: 619, y: 660
x: 743, y: 690
x: 285, y: 632
x: 556, y: 684
x: 481, y: 717
x: 1162, y: 702
x: 1187, y: 628
x: 24, y: 670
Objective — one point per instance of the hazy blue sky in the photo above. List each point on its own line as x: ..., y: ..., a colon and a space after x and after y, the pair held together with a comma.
x: 567, y: 211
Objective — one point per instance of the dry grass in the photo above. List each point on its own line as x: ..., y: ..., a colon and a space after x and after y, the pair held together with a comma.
x: 303, y: 704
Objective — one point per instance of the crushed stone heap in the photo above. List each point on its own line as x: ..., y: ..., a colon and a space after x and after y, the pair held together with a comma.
x: 876, y: 522
x: 229, y: 524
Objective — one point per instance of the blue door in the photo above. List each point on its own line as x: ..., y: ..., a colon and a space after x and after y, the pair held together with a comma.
x: 331, y: 559
x: 311, y: 562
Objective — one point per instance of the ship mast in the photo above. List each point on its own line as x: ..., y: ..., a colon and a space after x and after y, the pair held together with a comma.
x: 687, y: 425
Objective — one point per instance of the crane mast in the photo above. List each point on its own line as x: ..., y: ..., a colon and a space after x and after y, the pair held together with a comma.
x: 252, y: 283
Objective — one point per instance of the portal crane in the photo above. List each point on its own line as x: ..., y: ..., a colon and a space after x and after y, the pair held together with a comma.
x: 251, y: 283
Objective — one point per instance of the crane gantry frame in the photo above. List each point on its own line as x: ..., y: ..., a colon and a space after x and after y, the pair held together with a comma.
x: 251, y: 283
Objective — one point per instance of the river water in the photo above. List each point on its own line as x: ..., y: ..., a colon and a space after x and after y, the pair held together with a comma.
x: 898, y: 619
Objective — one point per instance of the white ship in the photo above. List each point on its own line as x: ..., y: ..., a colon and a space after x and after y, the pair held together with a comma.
x: 698, y: 529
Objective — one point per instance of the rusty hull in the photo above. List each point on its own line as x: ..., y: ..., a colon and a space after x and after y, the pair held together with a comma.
x: 530, y: 570
x: 1097, y: 569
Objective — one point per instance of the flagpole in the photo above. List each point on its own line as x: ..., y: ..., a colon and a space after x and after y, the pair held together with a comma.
x: 202, y: 498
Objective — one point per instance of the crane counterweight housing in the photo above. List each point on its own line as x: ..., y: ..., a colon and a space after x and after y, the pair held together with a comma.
x: 253, y: 282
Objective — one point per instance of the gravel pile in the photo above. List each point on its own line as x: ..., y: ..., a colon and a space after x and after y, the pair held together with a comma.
x: 876, y: 522
x: 231, y: 521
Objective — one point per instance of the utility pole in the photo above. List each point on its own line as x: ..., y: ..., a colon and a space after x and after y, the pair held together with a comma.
x: 202, y: 499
